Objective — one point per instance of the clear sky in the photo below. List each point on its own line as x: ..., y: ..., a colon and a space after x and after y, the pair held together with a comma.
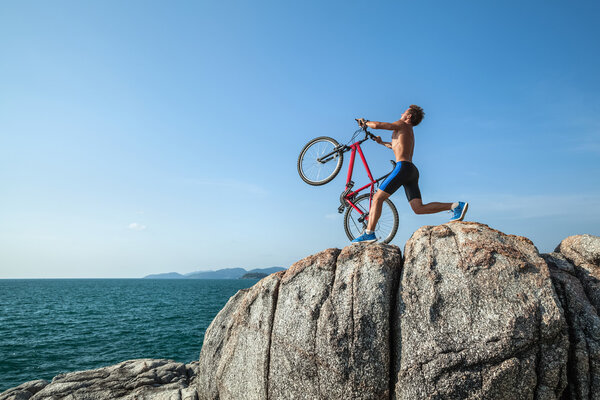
x: 142, y: 137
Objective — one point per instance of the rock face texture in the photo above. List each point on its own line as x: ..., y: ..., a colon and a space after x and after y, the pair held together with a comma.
x: 477, y: 317
x: 469, y: 313
x: 574, y: 267
x: 236, y: 359
x: 134, y: 379
x: 320, y: 329
x: 24, y: 391
x: 583, y: 251
x: 331, y: 331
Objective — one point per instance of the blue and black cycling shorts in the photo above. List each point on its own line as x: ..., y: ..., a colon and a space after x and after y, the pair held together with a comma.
x: 405, y: 174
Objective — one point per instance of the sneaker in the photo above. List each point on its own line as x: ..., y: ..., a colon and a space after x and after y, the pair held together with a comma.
x: 458, y: 212
x: 366, y: 238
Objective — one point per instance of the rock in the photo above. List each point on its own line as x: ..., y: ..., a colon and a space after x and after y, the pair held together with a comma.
x: 477, y: 318
x: 133, y: 379
x: 293, y: 359
x: 328, y: 333
x: 234, y: 363
x: 24, y: 391
x: 583, y: 367
x: 583, y: 251
x: 471, y: 314
x: 331, y: 335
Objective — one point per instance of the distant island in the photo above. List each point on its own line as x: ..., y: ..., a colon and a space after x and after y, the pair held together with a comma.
x: 254, y: 275
x: 225, y: 273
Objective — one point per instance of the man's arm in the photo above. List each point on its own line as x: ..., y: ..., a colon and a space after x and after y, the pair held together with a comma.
x: 394, y: 126
x: 386, y: 144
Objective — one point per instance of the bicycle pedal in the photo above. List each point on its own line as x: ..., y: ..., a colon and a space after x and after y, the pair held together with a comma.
x: 341, y: 209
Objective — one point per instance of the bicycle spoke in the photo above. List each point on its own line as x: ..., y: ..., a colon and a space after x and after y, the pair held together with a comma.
x: 360, y: 227
x: 315, y: 170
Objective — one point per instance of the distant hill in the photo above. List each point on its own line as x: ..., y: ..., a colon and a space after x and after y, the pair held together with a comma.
x: 225, y: 273
x: 168, y: 275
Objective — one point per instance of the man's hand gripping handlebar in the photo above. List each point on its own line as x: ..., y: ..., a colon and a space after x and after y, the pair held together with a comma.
x: 363, y: 124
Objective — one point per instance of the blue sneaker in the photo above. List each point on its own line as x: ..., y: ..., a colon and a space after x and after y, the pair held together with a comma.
x: 366, y: 238
x: 458, y: 212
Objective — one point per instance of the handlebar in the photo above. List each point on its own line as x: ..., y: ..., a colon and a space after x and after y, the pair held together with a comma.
x: 364, y: 128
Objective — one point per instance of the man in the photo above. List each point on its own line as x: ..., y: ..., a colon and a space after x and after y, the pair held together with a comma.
x: 405, y: 174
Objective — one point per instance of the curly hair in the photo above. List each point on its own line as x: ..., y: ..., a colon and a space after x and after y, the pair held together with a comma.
x: 416, y: 114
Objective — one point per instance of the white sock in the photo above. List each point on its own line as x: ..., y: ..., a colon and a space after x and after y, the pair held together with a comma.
x: 368, y: 232
x: 454, y: 205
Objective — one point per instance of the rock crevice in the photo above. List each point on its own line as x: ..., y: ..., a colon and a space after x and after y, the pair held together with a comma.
x: 583, y: 364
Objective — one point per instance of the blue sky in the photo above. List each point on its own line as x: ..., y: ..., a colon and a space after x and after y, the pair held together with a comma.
x: 142, y: 137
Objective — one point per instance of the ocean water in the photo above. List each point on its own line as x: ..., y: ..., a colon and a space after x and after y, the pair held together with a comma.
x: 52, y: 326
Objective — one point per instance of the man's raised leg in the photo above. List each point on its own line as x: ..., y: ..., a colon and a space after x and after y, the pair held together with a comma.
x: 429, y: 208
x: 459, y: 209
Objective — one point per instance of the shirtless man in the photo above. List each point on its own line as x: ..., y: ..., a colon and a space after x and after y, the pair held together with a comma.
x: 405, y: 174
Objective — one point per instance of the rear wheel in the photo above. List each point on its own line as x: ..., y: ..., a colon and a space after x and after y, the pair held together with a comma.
x: 355, y: 223
x: 318, y: 162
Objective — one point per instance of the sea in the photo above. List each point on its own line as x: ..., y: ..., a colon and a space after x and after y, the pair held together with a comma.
x: 53, y: 326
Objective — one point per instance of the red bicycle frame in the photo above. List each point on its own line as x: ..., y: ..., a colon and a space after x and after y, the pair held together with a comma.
x: 349, y: 184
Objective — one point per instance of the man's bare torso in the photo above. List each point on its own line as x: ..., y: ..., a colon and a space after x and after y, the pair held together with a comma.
x: 403, y: 142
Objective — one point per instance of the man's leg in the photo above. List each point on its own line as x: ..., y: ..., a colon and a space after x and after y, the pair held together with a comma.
x: 375, y: 212
x: 429, y: 208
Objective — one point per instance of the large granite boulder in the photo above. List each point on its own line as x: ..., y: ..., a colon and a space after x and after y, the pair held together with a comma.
x: 471, y: 313
x: 235, y: 362
x: 477, y: 318
x: 331, y: 333
x: 319, y: 330
x: 147, y: 379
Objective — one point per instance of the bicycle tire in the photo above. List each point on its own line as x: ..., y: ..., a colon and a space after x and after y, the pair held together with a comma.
x: 384, y: 226
x: 309, y: 154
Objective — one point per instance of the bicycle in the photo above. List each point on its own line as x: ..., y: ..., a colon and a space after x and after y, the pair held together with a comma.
x: 324, y: 154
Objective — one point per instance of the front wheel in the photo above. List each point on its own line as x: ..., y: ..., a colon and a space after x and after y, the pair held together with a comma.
x: 355, y: 222
x: 320, y: 161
